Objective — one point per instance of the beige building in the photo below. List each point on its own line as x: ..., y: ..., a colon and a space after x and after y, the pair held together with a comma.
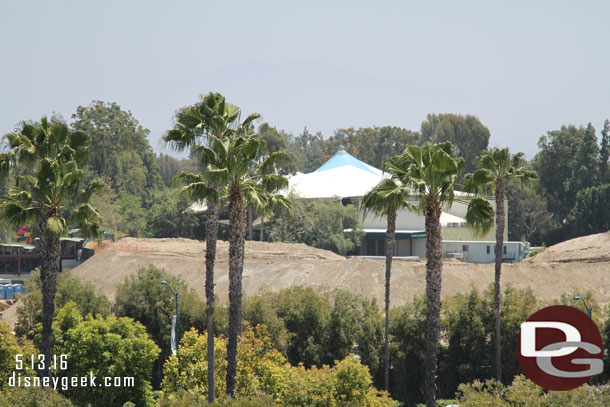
x: 345, y: 178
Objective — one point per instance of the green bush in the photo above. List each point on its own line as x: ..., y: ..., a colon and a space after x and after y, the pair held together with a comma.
x: 9, y: 347
x: 260, y: 367
x: 318, y: 224
x: 104, y: 347
x: 143, y: 298
x: 192, y: 398
x: 317, y: 329
x: 441, y: 403
x: 69, y: 288
x: 32, y: 397
x: 524, y: 393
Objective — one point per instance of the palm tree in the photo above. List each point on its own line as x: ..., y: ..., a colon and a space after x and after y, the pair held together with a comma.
x: 432, y: 171
x: 386, y: 199
x: 55, y: 154
x: 241, y: 165
x: 211, y: 117
x: 496, y: 167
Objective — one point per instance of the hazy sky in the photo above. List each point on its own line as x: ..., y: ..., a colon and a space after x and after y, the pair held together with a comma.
x: 522, y: 67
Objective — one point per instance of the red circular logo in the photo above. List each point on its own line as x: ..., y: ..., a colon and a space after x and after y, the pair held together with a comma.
x: 560, y: 348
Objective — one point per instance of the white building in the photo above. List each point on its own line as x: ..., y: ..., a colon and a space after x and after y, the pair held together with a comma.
x: 345, y: 178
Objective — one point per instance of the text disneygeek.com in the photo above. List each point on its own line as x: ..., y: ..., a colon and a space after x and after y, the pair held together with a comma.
x: 58, y: 363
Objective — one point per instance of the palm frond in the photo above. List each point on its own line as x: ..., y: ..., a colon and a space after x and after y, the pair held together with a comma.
x: 480, y: 216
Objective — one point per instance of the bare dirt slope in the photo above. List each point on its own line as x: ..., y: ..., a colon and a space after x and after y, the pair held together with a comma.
x: 592, y: 249
x: 573, y: 266
x: 576, y: 265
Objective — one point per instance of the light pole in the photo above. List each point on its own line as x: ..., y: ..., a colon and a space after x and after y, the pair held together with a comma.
x: 176, y: 330
x: 587, y: 307
x: 589, y: 312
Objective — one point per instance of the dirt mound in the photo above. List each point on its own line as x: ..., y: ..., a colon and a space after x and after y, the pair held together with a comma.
x: 588, y: 249
x: 279, y: 265
x: 574, y: 266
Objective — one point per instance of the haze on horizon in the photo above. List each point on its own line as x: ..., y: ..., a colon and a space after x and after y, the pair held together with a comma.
x: 522, y: 67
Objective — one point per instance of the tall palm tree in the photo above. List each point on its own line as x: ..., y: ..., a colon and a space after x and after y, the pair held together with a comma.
x: 211, y: 117
x: 386, y: 199
x: 432, y: 171
x: 247, y: 173
x: 55, y: 154
x: 496, y: 168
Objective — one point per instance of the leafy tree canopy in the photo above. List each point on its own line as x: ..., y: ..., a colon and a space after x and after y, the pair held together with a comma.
x: 120, y: 149
x: 469, y: 136
x: 319, y: 224
x: 566, y: 163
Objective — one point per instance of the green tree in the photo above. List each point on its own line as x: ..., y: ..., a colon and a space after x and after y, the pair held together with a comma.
x: 318, y: 224
x: 386, y: 199
x: 408, y: 351
x: 496, y: 168
x: 119, y: 147
x: 242, y: 165
x: 69, y: 288
x: 105, y: 347
x: 170, y: 166
x: 604, y: 154
x: 170, y: 217
x: 143, y: 298
x: 373, y: 145
x: 432, y: 171
x: 9, y: 349
x: 354, y: 327
x: 566, y: 163
x: 591, y: 212
x: 468, y: 355
x: 528, y: 217
x: 298, y: 318
x: 469, y: 136
x: 309, y: 150
x: 211, y: 117
x: 56, y: 154
x: 33, y: 397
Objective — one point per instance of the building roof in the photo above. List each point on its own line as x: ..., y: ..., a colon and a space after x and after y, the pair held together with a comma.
x: 343, y: 158
x: 342, y: 176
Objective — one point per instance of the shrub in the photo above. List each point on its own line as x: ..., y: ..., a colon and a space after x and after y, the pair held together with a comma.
x: 32, y: 397
x: 105, y: 347
x: 69, y: 288
x: 317, y: 329
x: 524, y: 393
x: 260, y: 367
x: 9, y: 347
x: 192, y: 398
x: 143, y: 298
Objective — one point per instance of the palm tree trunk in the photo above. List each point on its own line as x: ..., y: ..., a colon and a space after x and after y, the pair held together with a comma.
x: 211, y: 237
x: 237, y: 232
x: 50, y: 249
x: 434, y: 267
x: 500, y: 220
x: 389, y: 252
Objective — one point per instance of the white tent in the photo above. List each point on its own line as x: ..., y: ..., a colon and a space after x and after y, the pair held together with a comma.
x: 342, y: 176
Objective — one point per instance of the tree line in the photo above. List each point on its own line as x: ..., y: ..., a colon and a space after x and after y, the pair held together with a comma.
x: 237, y: 171
x: 302, y: 327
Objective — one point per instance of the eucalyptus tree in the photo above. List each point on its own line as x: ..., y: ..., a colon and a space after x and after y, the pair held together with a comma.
x: 247, y: 173
x: 432, y: 171
x: 194, y: 126
x: 496, y: 168
x: 386, y: 199
x: 52, y: 198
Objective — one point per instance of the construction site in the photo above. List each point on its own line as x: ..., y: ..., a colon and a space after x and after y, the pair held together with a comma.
x: 575, y: 266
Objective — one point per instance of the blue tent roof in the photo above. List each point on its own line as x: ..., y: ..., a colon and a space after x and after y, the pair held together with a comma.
x: 342, y: 158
